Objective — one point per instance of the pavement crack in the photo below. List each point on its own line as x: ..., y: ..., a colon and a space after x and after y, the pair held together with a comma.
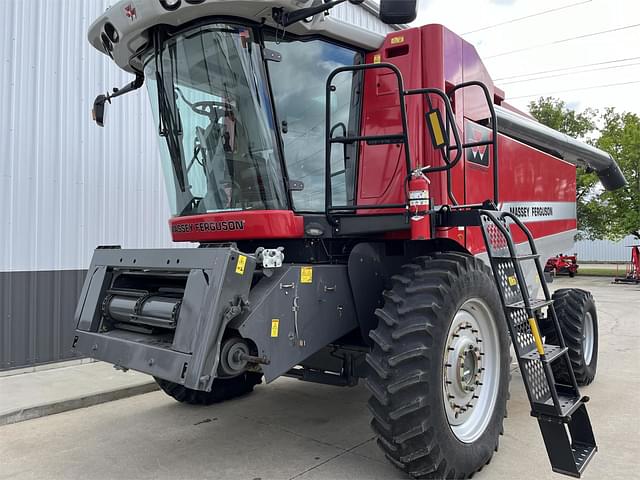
x: 337, y: 455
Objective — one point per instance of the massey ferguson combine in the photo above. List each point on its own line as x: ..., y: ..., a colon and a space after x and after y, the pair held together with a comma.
x: 366, y: 208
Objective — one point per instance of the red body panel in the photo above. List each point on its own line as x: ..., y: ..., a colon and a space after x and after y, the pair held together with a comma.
x: 229, y: 226
x: 527, y: 176
x: 382, y: 170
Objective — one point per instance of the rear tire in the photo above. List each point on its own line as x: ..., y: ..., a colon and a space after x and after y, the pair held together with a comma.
x: 223, y: 389
x: 576, y: 312
x: 426, y: 319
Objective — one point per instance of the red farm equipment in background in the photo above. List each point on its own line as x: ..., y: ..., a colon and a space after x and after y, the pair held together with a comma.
x: 633, y: 268
x: 562, y: 265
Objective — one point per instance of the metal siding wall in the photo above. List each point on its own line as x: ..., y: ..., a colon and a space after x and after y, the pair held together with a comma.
x: 604, y: 250
x: 66, y: 185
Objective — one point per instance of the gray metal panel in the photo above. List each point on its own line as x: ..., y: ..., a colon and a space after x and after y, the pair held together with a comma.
x: 227, y: 279
x: 310, y: 315
x: 36, y: 316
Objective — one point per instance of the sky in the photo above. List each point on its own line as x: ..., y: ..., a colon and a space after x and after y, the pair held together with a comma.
x: 513, y: 48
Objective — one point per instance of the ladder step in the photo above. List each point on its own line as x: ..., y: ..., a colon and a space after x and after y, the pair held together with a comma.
x: 582, y: 455
x: 536, y: 304
x: 551, y: 352
x: 530, y: 256
x: 571, y: 444
x: 568, y: 404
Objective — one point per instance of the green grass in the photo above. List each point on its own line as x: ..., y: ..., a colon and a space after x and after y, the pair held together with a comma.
x: 601, y: 272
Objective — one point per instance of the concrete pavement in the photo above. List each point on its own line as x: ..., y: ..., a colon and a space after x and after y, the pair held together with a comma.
x: 46, y: 392
x: 295, y: 430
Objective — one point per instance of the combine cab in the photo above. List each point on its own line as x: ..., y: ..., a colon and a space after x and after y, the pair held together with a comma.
x: 366, y: 207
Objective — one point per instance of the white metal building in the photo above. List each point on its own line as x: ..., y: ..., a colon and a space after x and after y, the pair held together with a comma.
x: 605, y: 250
x: 66, y: 185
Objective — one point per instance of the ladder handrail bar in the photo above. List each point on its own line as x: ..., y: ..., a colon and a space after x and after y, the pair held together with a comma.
x: 545, y: 287
x: 328, y: 143
x: 494, y: 130
x: 522, y: 284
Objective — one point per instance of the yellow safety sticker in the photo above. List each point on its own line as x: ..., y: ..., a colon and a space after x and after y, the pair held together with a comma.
x: 242, y: 262
x: 536, y: 335
x: 437, y: 128
x: 377, y: 58
x: 397, y: 40
x: 513, y: 281
x: 306, y: 275
x: 275, y: 327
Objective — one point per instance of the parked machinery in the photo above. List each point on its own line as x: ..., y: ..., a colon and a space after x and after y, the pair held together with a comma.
x: 633, y: 269
x: 562, y: 265
x: 366, y: 207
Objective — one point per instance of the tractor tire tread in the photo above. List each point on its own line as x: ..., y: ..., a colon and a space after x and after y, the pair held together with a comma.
x: 223, y: 389
x: 402, y: 344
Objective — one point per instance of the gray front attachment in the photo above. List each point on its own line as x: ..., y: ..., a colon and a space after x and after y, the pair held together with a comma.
x: 162, y: 312
x: 167, y: 312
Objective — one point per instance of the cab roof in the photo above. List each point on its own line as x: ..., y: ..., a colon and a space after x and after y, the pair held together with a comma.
x: 123, y: 30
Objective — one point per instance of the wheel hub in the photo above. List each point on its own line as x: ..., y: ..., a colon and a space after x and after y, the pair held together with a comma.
x: 471, y: 370
x: 463, y: 370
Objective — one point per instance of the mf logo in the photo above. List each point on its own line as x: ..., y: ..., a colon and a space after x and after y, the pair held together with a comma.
x: 474, y: 133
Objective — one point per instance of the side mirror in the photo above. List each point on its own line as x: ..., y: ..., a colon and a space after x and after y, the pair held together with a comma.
x: 98, y: 109
x: 398, y: 11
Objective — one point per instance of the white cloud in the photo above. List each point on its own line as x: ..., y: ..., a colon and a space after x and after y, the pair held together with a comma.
x: 580, y: 18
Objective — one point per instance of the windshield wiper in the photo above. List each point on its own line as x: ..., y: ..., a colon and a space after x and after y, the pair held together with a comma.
x: 170, y: 127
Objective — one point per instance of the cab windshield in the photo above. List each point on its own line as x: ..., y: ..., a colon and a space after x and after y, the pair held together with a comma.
x: 210, y: 100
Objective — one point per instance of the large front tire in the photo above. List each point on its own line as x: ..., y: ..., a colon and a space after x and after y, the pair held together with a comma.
x: 578, y: 319
x: 223, y: 389
x: 439, y: 368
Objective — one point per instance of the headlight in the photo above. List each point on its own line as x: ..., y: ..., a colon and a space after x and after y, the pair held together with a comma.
x: 171, y: 4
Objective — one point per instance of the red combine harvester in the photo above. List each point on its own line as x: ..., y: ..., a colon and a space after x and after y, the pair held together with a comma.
x: 562, y: 265
x: 633, y: 268
x: 367, y: 207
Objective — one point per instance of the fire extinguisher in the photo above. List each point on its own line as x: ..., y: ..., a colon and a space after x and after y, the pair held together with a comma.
x: 419, y: 205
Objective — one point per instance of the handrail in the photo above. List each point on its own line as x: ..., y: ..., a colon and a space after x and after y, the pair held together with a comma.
x: 494, y: 132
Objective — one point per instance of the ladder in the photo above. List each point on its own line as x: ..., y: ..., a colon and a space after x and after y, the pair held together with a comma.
x: 560, y: 409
